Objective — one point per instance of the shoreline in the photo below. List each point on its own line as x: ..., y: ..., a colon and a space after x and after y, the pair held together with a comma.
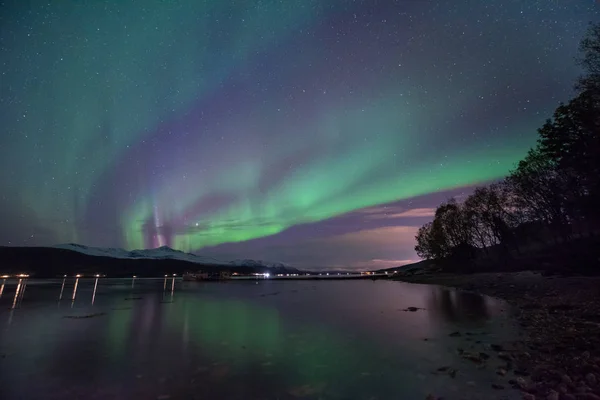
x: 558, y: 357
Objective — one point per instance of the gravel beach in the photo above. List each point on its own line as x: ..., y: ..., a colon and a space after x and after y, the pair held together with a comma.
x: 558, y: 356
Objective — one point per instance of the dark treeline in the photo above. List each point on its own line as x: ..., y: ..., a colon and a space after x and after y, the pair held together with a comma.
x: 548, y: 205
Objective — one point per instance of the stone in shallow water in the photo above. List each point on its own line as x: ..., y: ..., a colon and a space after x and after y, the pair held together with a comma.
x: 84, y: 316
x: 306, y: 390
x: 496, y: 347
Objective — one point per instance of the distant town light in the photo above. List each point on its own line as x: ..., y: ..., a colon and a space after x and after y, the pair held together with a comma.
x: 5, y: 276
x: 267, y: 274
x: 174, y: 274
x: 97, y: 275
x: 135, y: 276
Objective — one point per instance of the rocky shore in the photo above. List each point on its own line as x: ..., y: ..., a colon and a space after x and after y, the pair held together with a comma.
x: 558, y: 357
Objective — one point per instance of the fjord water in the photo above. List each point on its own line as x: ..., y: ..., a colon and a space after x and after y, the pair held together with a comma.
x: 264, y: 339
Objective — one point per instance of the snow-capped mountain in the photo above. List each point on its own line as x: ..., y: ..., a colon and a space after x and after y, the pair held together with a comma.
x: 163, y: 252
x: 166, y: 252
x: 260, y: 263
x: 247, y: 263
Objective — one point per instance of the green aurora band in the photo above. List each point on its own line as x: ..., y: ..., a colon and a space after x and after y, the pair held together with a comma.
x: 194, y: 124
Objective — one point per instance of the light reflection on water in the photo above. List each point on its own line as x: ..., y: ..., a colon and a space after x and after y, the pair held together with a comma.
x: 242, y: 340
x: 62, y: 289
x: 74, y: 292
x: 18, y: 293
x: 95, y: 288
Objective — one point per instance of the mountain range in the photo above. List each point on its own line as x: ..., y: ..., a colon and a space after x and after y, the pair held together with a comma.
x: 75, y: 258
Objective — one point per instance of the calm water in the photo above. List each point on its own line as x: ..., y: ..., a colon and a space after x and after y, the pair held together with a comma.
x: 243, y: 340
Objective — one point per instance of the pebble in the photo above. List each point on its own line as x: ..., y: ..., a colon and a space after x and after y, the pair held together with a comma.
x: 581, y: 389
x: 591, y: 379
x: 562, y: 389
x: 570, y: 345
x: 496, y: 347
x: 588, y: 396
x: 553, y: 395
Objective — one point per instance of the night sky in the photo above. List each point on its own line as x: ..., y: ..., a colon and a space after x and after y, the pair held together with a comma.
x: 319, y: 133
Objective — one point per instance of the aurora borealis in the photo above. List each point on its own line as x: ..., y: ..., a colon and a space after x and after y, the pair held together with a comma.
x: 314, y: 132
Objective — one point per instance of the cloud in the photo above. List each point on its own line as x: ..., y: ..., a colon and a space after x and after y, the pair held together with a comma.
x: 382, y: 247
x: 414, y: 213
x: 381, y: 264
x: 377, y: 210
x: 391, y: 212
x: 384, y: 235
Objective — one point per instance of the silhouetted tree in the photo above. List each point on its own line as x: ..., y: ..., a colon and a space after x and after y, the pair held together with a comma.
x: 571, y: 140
x: 491, y: 221
x: 538, y: 189
x: 426, y: 247
x: 590, y: 61
x: 452, y: 223
x: 555, y: 188
x: 447, y: 235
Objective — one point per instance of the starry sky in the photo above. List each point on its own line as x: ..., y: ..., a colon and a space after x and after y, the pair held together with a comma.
x: 321, y: 133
